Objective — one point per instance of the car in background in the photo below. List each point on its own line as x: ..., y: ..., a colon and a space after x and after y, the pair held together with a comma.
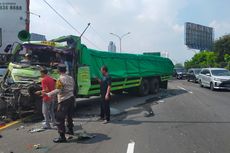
x: 3, y: 69
x: 193, y: 74
x: 180, y: 73
x: 215, y: 78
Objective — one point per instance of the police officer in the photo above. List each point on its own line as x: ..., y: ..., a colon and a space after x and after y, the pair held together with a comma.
x: 65, y: 94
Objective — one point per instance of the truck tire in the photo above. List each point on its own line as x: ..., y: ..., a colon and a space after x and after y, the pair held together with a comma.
x: 144, y: 88
x: 154, y: 86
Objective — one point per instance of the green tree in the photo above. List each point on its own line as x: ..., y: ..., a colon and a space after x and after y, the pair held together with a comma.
x: 227, y: 60
x: 202, y: 59
x: 222, y: 47
x: 178, y: 65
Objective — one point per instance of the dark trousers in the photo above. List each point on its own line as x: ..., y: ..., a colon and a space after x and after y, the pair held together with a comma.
x: 105, y: 109
x: 65, y: 111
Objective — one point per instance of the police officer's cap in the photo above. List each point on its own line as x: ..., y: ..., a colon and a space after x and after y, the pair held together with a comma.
x: 62, y: 68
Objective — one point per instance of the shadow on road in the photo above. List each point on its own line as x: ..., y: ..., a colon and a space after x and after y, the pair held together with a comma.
x: 135, y: 122
x: 91, y: 107
x: 146, y: 107
x: 96, y: 138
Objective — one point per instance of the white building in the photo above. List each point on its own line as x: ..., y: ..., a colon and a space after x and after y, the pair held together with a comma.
x: 37, y: 37
x: 112, y: 47
x: 14, y: 17
x: 165, y: 54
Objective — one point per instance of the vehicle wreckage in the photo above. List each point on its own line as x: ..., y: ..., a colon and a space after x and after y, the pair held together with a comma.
x: 22, y: 79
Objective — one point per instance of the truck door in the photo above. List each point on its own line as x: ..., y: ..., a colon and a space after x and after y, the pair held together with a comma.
x: 83, y: 80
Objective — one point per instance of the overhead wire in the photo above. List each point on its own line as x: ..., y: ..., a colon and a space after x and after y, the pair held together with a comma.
x: 63, y: 18
x: 86, y: 19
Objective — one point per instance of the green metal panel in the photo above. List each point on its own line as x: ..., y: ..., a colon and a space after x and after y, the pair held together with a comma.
x: 83, y: 80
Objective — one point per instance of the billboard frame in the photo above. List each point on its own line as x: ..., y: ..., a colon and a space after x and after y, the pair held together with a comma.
x: 198, y: 36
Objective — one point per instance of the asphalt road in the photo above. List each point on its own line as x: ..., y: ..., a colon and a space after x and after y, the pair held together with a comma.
x: 183, y: 119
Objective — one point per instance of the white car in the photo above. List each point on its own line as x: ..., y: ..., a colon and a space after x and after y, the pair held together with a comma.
x: 215, y: 78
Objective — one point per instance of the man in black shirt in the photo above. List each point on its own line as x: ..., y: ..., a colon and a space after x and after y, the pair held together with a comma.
x: 105, y: 83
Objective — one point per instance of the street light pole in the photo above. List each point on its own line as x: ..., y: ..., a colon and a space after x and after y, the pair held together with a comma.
x: 120, y: 37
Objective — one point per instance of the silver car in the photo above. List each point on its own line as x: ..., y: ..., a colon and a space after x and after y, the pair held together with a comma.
x: 215, y: 78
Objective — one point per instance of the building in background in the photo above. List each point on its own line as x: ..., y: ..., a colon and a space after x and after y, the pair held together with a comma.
x: 165, y: 54
x: 14, y: 17
x: 112, y: 47
x: 37, y: 37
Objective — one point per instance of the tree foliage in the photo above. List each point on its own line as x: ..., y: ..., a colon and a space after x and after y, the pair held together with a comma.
x: 178, y: 65
x: 222, y: 47
x: 202, y: 59
x: 219, y: 57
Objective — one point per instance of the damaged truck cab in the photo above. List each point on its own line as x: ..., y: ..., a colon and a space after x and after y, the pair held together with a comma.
x: 22, y: 78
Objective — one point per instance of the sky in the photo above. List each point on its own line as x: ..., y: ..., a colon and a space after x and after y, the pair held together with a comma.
x: 154, y: 25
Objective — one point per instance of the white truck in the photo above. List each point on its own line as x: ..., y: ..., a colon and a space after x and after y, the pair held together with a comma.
x: 14, y: 17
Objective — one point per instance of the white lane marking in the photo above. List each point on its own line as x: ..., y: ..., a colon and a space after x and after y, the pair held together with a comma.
x: 185, y: 89
x: 130, y: 148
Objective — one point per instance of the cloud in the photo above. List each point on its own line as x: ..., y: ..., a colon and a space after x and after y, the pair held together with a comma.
x: 153, y: 23
x: 220, y: 27
x: 178, y: 28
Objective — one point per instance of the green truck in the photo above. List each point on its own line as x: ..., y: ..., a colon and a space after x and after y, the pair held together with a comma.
x: 141, y: 74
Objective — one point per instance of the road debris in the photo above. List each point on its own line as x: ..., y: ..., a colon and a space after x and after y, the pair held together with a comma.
x: 149, y: 114
x: 83, y: 136
x: 37, y: 146
x: 0, y: 136
x: 36, y: 130
x: 160, y: 101
x: 21, y: 127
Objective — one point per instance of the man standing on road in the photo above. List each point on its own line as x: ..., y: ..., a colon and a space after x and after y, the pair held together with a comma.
x: 105, y: 83
x: 65, y: 93
x: 48, y: 84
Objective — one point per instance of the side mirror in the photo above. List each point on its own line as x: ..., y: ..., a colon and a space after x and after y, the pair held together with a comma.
x: 208, y: 74
x: 7, y: 49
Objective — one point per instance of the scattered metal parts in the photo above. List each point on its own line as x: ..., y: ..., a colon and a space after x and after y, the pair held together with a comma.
x: 36, y: 130
x: 37, y: 146
x: 21, y: 127
x: 149, y: 114
x: 83, y: 136
x: 160, y: 101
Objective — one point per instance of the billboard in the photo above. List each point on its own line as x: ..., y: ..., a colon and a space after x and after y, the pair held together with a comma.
x: 198, y: 36
x: 14, y: 17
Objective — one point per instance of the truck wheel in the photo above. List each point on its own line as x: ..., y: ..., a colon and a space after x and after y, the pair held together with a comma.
x: 144, y: 88
x: 154, y: 86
